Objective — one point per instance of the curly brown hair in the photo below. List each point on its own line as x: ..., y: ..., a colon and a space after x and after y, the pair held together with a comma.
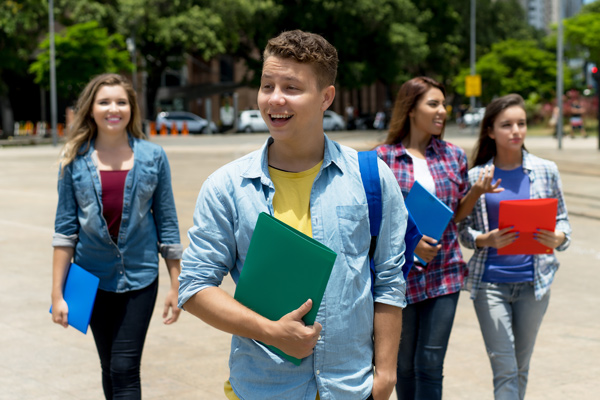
x: 309, y: 48
x: 83, y: 129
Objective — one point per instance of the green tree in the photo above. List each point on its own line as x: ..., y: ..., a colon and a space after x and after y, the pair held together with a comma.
x: 446, y: 23
x: 582, y: 31
x: 83, y: 50
x: 375, y: 39
x: 20, y: 20
x: 515, y: 66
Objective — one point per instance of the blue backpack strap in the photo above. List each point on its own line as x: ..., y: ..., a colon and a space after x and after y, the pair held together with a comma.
x: 369, y: 172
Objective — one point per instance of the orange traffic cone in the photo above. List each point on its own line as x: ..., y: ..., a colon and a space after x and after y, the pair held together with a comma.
x: 60, y: 129
x: 184, y: 129
x: 152, y: 128
x: 173, y: 128
x: 163, y: 130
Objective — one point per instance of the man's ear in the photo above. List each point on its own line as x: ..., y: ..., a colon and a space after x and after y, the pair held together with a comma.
x: 328, y: 96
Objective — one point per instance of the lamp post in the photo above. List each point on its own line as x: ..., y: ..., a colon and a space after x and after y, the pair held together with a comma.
x: 131, y: 48
x: 472, y: 59
x: 53, y: 117
x: 559, y: 75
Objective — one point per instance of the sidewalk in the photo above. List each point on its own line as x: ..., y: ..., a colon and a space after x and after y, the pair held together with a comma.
x: 40, y: 360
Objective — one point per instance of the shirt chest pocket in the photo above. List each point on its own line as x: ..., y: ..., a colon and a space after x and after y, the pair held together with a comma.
x: 84, y: 190
x: 353, y: 225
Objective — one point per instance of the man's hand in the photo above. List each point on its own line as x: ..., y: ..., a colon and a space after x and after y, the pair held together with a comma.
x: 427, y: 248
x: 292, y: 336
x: 383, y: 385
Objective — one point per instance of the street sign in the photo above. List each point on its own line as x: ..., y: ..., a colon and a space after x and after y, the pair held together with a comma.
x: 473, y: 85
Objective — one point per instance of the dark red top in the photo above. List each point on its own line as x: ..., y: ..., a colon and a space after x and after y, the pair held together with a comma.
x: 113, y: 185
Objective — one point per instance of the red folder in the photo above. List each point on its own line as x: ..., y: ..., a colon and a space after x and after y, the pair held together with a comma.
x: 527, y: 216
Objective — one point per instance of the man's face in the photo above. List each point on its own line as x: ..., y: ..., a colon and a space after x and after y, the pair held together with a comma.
x: 290, y: 100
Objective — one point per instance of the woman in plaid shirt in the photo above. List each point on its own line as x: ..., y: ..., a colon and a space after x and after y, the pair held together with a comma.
x: 415, y: 151
x: 510, y: 292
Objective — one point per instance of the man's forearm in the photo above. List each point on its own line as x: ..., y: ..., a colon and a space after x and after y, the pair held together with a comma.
x: 387, y: 326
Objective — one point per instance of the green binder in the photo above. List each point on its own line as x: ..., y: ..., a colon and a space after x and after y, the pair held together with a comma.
x: 283, y: 269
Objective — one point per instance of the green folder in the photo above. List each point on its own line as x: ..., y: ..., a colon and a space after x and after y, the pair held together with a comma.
x: 283, y: 269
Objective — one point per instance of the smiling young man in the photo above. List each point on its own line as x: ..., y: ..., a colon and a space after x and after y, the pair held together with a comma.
x: 311, y: 183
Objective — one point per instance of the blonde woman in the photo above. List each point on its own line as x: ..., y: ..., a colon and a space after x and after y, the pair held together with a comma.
x: 115, y: 213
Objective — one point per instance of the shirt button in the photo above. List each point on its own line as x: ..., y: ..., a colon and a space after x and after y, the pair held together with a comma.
x: 320, y: 337
x: 318, y: 372
x: 118, y: 256
x: 121, y: 272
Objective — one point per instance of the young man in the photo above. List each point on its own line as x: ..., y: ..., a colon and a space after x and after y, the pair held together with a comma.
x: 313, y: 184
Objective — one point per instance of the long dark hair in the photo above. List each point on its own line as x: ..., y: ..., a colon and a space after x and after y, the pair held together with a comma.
x: 485, y: 148
x: 408, y: 96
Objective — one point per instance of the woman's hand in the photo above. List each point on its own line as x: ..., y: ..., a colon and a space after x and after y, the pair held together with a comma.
x: 484, y: 182
x: 497, y: 238
x: 549, y: 238
x: 60, y: 312
x: 427, y: 248
x: 171, y: 303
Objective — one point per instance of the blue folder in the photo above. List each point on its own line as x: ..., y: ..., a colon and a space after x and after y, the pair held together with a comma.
x: 80, y: 294
x: 430, y: 214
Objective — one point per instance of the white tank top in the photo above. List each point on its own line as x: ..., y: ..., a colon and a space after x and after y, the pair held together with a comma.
x: 422, y: 174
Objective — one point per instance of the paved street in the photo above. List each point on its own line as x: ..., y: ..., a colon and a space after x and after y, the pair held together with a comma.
x: 40, y: 360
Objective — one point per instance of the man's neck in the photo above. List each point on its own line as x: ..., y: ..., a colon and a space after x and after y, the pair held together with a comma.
x: 296, y: 157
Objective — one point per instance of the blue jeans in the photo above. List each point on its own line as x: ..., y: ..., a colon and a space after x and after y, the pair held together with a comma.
x: 510, y: 318
x: 119, y: 323
x: 426, y: 328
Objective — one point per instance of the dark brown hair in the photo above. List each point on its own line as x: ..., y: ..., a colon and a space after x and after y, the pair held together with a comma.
x: 84, y: 129
x: 408, y: 96
x: 485, y: 148
x: 308, y: 48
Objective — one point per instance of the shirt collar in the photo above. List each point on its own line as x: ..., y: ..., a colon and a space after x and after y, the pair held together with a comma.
x: 259, y: 162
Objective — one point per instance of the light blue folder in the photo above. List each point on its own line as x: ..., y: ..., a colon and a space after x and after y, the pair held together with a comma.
x: 80, y: 294
x: 430, y: 214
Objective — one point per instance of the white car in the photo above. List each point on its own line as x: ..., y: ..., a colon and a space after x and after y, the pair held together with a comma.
x: 333, y: 121
x: 251, y: 121
x: 195, y: 123
x: 474, y: 117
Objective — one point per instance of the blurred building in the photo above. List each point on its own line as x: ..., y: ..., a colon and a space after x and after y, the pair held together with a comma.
x: 541, y: 14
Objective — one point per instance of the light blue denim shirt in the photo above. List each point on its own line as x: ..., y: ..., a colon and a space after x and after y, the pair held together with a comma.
x: 148, y: 223
x: 544, y: 183
x: 227, y: 209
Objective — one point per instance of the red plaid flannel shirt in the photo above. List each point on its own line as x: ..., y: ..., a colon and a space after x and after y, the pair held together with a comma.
x: 448, y: 166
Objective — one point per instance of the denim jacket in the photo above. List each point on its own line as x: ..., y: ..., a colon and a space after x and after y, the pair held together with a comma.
x: 227, y: 209
x: 148, y: 223
x: 544, y: 183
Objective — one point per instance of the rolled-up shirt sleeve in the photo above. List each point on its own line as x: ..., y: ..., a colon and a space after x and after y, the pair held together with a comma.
x: 212, y: 250
x: 66, y: 223
x: 390, y: 286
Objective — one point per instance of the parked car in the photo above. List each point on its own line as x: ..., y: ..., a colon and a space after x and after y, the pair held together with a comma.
x: 195, y: 123
x: 251, y: 121
x: 333, y: 121
x: 474, y: 117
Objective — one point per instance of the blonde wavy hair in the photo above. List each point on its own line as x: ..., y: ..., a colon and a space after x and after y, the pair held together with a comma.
x: 84, y: 129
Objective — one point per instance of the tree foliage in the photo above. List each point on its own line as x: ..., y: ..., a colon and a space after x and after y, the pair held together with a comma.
x: 582, y: 31
x: 20, y: 20
x: 515, y: 66
x: 84, y: 50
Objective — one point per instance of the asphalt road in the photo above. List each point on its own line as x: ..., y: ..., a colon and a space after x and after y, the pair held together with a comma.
x: 40, y: 360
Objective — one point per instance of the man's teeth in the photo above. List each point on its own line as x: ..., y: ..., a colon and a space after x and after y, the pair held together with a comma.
x: 280, y: 116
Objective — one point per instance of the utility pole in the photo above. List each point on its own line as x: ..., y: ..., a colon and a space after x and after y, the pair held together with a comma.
x: 53, y: 116
x: 559, y: 75
x: 472, y: 56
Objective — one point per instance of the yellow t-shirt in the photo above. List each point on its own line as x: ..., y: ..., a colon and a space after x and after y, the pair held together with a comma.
x: 291, y: 204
